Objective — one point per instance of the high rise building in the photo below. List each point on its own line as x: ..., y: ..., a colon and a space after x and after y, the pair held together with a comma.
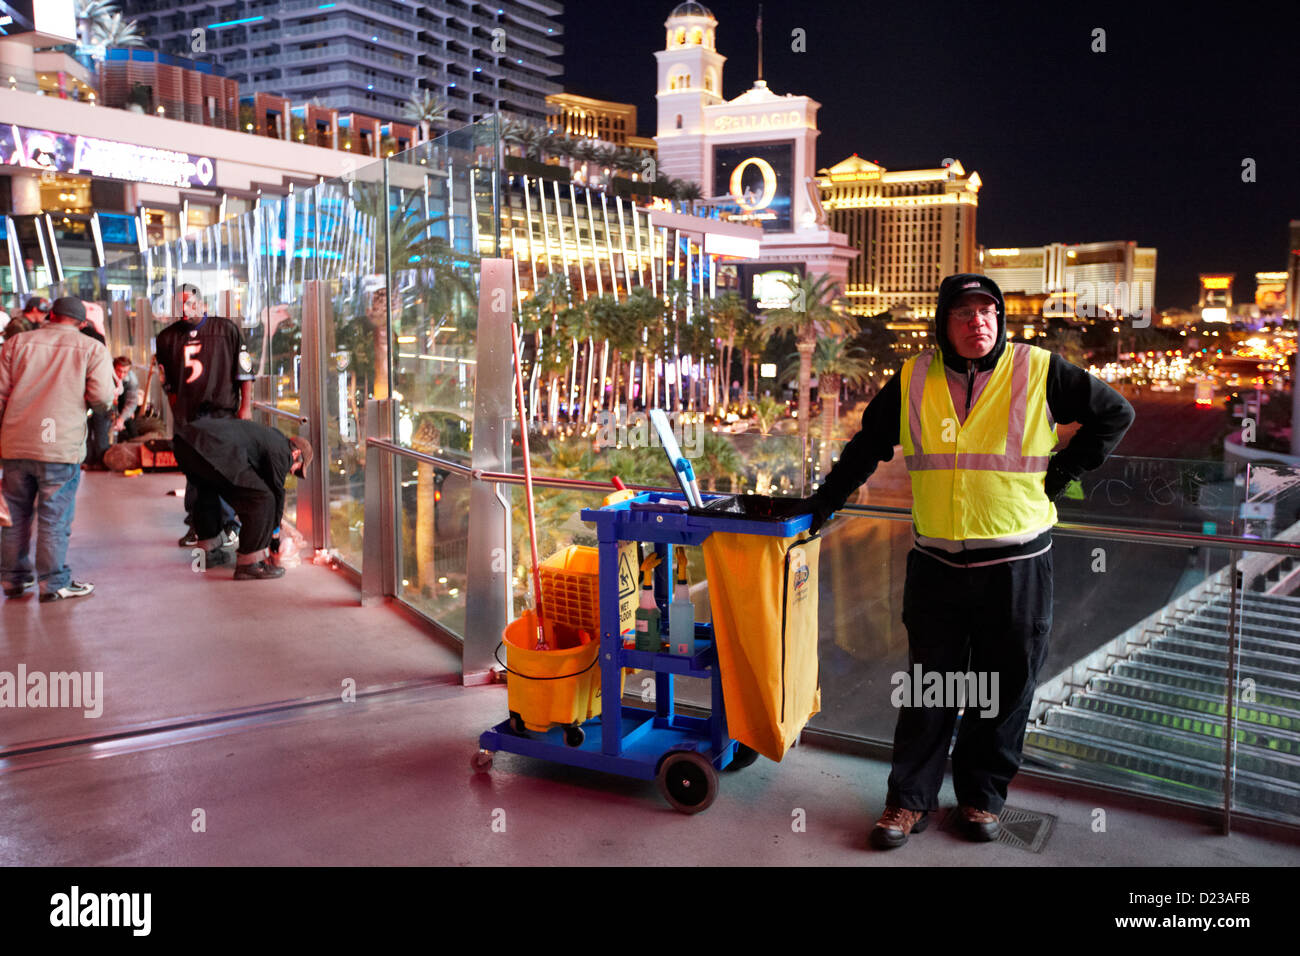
x: 913, y: 226
x: 1087, y: 280
x: 369, y: 56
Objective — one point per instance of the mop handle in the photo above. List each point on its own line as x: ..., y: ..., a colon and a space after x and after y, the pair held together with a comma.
x: 528, y: 480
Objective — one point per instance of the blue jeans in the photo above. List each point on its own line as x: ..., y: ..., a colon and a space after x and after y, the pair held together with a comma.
x: 45, y: 490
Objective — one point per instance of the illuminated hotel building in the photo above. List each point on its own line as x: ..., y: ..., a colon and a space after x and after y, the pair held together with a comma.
x: 1215, y: 302
x: 1270, y: 294
x: 1084, y: 280
x: 754, y: 157
x: 912, y: 226
x: 582, y: 117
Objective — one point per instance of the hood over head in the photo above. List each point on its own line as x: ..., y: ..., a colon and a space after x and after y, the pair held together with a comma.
x: 950, y: 290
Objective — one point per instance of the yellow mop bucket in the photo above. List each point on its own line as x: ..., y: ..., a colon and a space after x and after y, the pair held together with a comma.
x: 557, y: 686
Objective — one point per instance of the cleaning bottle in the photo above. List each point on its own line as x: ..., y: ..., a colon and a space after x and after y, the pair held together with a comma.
x: 647, y: 615
x: 681, y: 612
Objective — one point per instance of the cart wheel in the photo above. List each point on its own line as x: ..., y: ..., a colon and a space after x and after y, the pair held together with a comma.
x: 481, y: 761
x: 517, y: 725
x: 687, y: 781
x: 574, y: 735
x: 744, y: 757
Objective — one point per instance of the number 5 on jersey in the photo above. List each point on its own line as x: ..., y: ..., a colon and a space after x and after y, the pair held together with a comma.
x: 192, y: 361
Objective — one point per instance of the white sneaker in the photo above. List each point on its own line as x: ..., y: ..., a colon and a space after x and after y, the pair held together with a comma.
x: 73, y: 589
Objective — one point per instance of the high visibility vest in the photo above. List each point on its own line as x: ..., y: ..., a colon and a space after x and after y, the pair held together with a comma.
x: 982, y: 478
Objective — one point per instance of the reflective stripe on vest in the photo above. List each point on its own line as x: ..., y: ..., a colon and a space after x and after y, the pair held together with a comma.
x: 987, y: 480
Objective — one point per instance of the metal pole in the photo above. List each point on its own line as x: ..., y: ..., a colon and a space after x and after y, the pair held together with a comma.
x: 312, y: 520
x: 378, y: 554
x: 488, y: 595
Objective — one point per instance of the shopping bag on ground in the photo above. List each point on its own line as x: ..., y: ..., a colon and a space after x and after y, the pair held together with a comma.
x: 763, y: 597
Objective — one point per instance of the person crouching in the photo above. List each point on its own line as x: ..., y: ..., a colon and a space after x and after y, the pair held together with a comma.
x: 246, y: 464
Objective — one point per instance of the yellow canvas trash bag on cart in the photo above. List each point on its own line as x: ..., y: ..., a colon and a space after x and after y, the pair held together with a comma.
x: 763, y: 595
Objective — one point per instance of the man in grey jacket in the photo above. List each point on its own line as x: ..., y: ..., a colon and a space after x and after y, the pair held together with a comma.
x: 48, y: 378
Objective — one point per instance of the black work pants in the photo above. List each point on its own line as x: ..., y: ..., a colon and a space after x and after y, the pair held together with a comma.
x: 97, y: 437
x: 992, y: 620
x: 252, y: 499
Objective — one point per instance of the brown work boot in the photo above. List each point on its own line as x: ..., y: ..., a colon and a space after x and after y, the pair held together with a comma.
x: 978, y: 825
x: 895, y: 824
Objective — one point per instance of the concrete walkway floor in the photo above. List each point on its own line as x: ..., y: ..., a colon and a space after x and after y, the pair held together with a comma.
x: 233, y: 746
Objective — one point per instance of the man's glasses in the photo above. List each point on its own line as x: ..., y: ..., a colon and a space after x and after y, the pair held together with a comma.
x: 965, y: 315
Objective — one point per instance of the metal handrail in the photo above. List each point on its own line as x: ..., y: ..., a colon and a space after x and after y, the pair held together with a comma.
x: 1175, y: 539
x: 272, y: 409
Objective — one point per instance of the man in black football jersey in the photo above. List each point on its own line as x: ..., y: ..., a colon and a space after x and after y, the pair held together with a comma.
x: 206, y: 373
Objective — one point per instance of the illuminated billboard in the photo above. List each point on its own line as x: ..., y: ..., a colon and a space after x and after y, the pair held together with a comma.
x: 86, y: 156
x: 764, y: 286
x: 56, y: 19
x: 758, y: 179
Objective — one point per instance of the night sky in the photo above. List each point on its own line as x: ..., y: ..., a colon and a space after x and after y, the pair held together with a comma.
x: 1144, y: 141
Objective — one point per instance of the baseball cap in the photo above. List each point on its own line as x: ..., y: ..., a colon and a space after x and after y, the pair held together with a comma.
x: 959, y: 285
x: 70, y: 307
x: 37, y: 303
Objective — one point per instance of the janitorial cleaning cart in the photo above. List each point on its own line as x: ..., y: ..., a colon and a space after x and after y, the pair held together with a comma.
x: 759, y: 652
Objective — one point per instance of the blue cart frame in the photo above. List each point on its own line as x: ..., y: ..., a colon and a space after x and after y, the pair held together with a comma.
x: 681, y: 752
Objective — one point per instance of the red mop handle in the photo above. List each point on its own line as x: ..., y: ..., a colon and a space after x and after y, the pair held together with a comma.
x: 528, y: 480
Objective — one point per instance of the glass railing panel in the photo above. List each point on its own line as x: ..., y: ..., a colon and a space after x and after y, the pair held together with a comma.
x: 433, y: 541
x: 356, y: 346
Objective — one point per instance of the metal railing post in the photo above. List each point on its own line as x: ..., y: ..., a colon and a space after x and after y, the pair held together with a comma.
x: 378, y: 549
x: 488, y: 563
x: 1230, y: 691
x: 313, y: 513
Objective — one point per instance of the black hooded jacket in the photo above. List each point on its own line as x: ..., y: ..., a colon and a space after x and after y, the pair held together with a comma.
x: 1072, y: 396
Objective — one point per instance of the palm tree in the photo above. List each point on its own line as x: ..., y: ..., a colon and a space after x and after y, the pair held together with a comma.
x: 427, y: 439
x: 767, y: 411
x: 815, y: 312
x: 718, y: 457
x: 644, y: 311
x: 612, y: 324
x: 513, y: 134
x: 93, y: 17
x: 426, y: 109
x: 749, y: 336
x: 836, y: 363
x: 691, y: 193
x: 552, y: 295
x: 728, y: 312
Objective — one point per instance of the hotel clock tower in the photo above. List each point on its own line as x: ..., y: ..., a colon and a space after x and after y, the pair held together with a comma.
x: 690, y: 78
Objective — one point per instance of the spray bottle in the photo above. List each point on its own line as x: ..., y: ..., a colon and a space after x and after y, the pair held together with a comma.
x: 681, y: 612
x: 647, y: 615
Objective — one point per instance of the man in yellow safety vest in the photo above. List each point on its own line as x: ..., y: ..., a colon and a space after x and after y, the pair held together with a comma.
x: 976, y: 419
